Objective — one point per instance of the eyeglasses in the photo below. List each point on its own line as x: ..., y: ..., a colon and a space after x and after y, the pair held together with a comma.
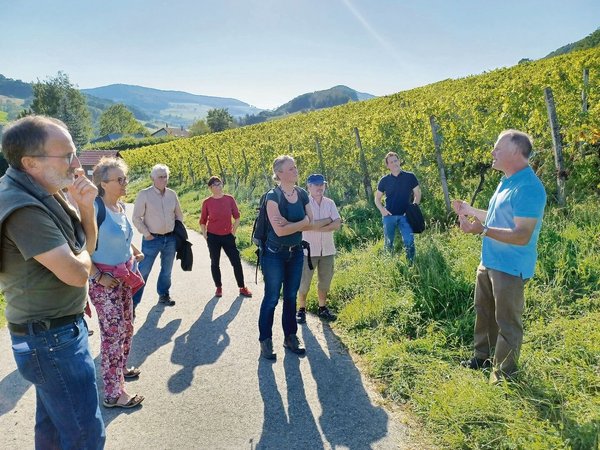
x: 216, y: 183
x: 121, y: 180
x: 164, y: 177
x: 69, y: 157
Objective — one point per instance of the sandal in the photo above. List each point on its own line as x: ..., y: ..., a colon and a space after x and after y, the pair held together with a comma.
x: 134, y: 372
x: 114, y: 403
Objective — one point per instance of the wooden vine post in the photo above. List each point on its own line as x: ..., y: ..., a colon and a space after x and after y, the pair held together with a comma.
x: 584, y: 91
x: 246, y: 167
x: 561, y: 175
x: 364, y: 168
x: 208, y: 169
x: 221, y: 171
x: 437, y: 142
x: 320, y: 156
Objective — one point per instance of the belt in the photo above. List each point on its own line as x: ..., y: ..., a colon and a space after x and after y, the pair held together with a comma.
x: 22, y: 329
x: 162, y: 235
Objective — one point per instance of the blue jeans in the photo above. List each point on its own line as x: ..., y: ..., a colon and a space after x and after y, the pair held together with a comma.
x: 59, y: 364
x: 390, y: 223
x: 166, y: 246
x: 281, y: 268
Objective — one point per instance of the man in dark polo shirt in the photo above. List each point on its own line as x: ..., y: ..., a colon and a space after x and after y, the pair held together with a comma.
x: 44, y: 268
x: 400, y: 189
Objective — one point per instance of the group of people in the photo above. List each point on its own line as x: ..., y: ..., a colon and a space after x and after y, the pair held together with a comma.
x: 82, y: 248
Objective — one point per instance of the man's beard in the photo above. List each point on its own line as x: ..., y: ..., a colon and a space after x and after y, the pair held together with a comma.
x: 54, y: 178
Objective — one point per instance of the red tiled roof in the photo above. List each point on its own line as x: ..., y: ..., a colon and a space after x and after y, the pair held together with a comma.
x: 91, y: 157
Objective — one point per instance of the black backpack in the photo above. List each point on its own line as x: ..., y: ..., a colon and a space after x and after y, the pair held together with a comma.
x: 100, y: 214
x: 261, y: 226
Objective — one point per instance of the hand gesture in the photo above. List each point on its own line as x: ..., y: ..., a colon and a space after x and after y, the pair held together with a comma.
x: 82, y: 191
x: 461, y: 208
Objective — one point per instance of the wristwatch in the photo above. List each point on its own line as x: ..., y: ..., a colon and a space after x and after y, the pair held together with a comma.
x: 484, y: 231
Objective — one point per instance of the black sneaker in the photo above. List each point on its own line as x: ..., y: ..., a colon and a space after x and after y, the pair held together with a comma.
x: 327, y: 315
x: 292, y: 343
x: 476, y: 363
x: 301, y: 316
x: 166, y: 300
x: 266, y: 349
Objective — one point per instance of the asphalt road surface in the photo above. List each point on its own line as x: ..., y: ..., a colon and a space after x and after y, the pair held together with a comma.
x: 206, y: 386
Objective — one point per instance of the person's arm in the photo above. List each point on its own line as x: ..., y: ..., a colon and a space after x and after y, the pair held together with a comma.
x: 103, y: 278
x: 203, y: 218
x: 69, y: 268
x: 462, y: 208
x: 137, y: 253
x: 235, y: 213
x: 281, y: 226
x: 380, y: 207
x: 83, y: 192
x: 234, y: 227
x: 417, y: 195
x: 139, y: 211
x: 178, y: 212
x: 519, y: 235
x: 332, y: 226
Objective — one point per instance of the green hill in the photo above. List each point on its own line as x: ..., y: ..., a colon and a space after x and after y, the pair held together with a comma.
x: 592, y: 40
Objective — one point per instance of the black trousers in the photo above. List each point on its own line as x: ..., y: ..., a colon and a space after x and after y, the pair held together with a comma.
x: 227, y: 243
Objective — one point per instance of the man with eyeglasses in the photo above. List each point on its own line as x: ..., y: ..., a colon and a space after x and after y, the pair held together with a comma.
x: 155, y: 211
x: 44, y: 268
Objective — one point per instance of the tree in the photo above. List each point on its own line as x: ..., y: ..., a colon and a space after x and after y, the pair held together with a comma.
x: 118, y: 119
x: 199, y: 127
x: 219, y: 119
x: 59, y: 98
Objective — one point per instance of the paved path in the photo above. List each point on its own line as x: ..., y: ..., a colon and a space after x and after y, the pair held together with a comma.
x: 207, y: 388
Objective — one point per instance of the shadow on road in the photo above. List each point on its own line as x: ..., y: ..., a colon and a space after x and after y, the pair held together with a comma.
x: 146, y: 340
x: 297, y: 428
x: 13, y: 386
x: 203, y: 344
x: 349, y: 419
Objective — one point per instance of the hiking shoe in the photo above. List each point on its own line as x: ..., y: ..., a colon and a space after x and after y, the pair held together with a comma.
x: 266, y: 349
x: 166, y: 300
x: 301, y: 316
x: 292, y: 343
x: 476, y: 363
x: 327, y: 315
x: 245, y: 292
x: 219, y: 292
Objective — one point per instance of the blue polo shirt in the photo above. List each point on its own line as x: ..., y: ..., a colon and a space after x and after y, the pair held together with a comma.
x: 397, y: 191
x: 520, y: 195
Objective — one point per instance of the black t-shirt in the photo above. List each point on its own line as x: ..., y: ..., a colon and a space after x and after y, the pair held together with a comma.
x: 397, y: 191
x: 293, y: 212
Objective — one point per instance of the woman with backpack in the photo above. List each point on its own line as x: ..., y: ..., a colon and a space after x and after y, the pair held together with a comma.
x: 288, y: 213
x: 113, y: 280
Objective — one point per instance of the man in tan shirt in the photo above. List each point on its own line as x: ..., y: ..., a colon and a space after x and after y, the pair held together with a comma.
x: 154, y: 214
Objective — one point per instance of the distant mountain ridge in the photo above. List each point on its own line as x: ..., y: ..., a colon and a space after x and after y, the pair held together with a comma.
x: 591, y: 40
x: 174, y: 107
x: 337, y: 95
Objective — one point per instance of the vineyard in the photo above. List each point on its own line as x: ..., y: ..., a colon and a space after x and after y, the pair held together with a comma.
x: 411, y: 325
x: 470, y: 113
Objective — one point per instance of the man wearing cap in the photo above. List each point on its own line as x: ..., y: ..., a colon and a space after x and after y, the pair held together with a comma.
x: 154, y: 214
x: 398, y: 187
x: 319, y: 235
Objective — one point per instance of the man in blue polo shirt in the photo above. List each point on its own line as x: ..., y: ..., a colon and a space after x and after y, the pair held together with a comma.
x: 510, y: 228
x: 398, y: 187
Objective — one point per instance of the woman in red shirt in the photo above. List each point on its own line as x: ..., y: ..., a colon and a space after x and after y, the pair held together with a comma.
x: 219, y: 232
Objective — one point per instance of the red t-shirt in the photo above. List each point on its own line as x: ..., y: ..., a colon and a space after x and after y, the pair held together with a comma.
x: 217, y: 213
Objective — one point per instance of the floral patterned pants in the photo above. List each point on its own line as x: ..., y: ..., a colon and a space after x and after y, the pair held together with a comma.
x: 115, y: 313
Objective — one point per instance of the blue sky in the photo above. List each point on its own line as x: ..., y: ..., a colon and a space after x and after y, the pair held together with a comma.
x: 265, y: 52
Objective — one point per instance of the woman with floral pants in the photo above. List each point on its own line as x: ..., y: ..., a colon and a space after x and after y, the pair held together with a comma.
x: 113, y: 280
